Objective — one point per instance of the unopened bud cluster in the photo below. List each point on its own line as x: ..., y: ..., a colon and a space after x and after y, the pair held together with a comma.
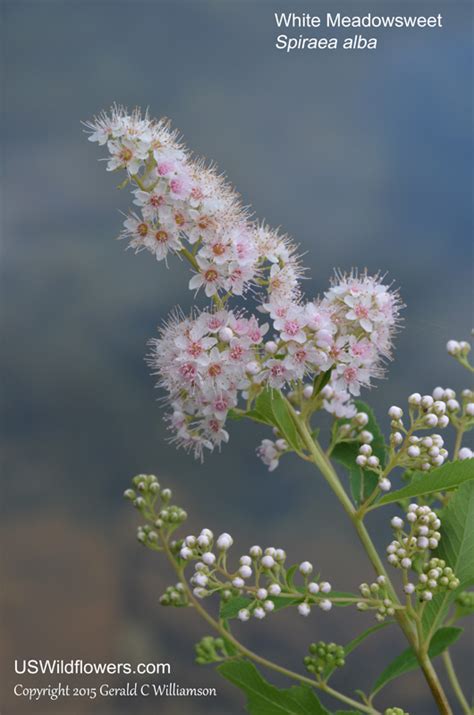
x: 376, y: 598
x: 459, y: 349
x: 436, y: 577
x: 465, y: 599
x: 421, y: 537
x: 174, y: 596
x: 324, y: 657
x: 211, y: 650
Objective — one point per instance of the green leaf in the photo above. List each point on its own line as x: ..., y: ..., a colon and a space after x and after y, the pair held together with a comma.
x: 450, y: 476
x: 457, y: 549
x: 362, y: 482
x: 407, y: 661
x: 264, y: 698
x: 284, y: 420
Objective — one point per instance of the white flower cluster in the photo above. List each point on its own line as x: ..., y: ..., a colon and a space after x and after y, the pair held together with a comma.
x: 206, y: 361
x: 422, y: 537
x: 458, y: 348
x: 260, y: 576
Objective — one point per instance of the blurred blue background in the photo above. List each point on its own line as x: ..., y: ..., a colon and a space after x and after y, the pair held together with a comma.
x: 363, y: 157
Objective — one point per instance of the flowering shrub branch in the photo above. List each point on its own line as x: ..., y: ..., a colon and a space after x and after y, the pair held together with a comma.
x: 281, y: 365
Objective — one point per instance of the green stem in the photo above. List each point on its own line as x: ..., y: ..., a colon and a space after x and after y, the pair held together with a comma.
x: 254, y: 656
x: 455, y: 684
x: 459, y: 435
x: 322, y: 462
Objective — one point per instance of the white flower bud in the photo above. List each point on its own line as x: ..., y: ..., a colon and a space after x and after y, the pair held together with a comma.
x: 209, y: 558
x: 203, y: 541
x: 224, y: 542
x: 325, y: 604
x: 304, y: 609
x: 186, y: 553
x: 305, y: 567
x: 427, y: 402
x: 208, y: 533
x: 281, y: 445
x: 397, y: 523
x: 433, y: 543
x: 453, y: 347
x: 413, y: 451
x: 362, y: 418
x: 438, y: 393
x: 252, y: 368
x: 465, y: 453
x: 190, y: 541
x: 271, y: 347
x: 415, y: 399
x: 409, y: 588
x: 279, y: 555
x: 470, y: 409
x: 200, y: 592
x: 274, y: 589
x: 443, y: 421
x: 366, y: 436
x: 268, y: 606
x: 397, y: 438
x: 385, y: 484
x: 200, y: 579
x: 255, y: 552
x: 373, y: 461
x: 430, y: 420
x: 365, y: 449
x: 308, y: 392
x: 325, y: 587
x: 244, y: 614
x: 262, y: 593
x: 361, y: 461
x: 381, y: 580
x: 245, y: 560
x: 313, y: 588
x: 426, y: 596
x: 268, y: 561
x: 225, y: 334
x: 245, y: 571
x: 406, y: 563
x: 396, y: 413
x: 259, y: 613
x: 238, y: 582
x: 454, y: 406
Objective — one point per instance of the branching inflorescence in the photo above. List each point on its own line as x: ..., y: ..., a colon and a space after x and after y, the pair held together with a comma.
x: 280, y: 365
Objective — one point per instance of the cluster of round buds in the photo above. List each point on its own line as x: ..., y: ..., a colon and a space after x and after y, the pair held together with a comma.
x: 270, y: 452
x: 211, y: 650
x: 465, y: 599
x: 146, y: 495
x: 376, y: 598
x: 354, y: 428
x: 423, y: 535
x: 316, y: 592
x: 324, y: 657
x: 367, y: 460
x: 435, y: 577
x: 174, y: 596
